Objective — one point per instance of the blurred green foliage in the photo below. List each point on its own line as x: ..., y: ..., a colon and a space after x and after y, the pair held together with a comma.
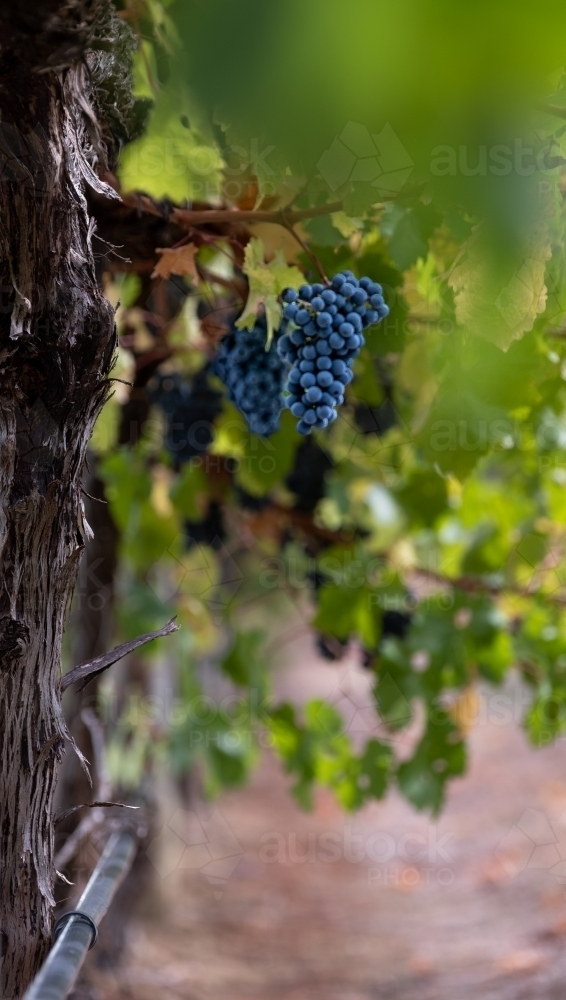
x: 440, y: 130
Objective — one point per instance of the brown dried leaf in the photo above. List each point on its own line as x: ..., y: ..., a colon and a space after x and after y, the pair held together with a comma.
x: 180, y: 260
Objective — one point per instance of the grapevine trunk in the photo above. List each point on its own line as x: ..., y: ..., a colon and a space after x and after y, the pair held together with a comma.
x: 56, y: 346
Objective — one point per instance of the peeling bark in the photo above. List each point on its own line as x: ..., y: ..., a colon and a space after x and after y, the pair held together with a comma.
x: 90, y: 626
x: 57, y: 341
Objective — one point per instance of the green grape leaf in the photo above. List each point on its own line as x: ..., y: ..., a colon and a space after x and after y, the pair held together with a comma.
x: 375, y: 767
x: 188, y: 489
x: 424, y: 497
x: 228, y: 768
x: 266, y: 461
x: 344, y: 611
x: 459, y: 430
x: 498, y: 303
x: 243, y: 663
x: 494, y: 660
x: 407, y: 243
x: 319, y: 751
x: 322, y: 230
x: 366, y: 387
x: 440, y: 755
x: 396, y: 684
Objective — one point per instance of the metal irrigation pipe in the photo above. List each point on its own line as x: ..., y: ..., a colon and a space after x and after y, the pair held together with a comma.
x: 79, y: 930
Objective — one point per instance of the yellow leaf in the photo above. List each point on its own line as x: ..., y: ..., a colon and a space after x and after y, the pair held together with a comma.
x: 345, y: 225
x: 177, y: 261
x: 465, y: 709
x: 266, y: 282
x: 275, y: 238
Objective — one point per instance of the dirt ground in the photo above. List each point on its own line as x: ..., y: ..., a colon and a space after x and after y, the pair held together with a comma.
x: 257, y: 899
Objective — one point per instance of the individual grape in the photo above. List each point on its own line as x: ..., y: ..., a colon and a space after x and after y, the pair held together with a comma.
x: 323, y: 348
x: 336, y: 341
x: 254, y: 377
x: 395, y: 623
x: 324, y: 319
x: 314, y: 394
x: 327, y: 326
x: 330, y: 648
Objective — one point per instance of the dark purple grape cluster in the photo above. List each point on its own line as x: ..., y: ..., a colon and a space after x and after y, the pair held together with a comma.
x: 328, y: 324
x: 189, y: 406
x: 253, y: 376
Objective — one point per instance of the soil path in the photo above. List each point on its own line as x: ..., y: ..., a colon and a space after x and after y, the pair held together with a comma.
x: 384, y: 905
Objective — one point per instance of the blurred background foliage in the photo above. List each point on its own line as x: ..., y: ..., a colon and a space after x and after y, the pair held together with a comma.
x: 426, y: 527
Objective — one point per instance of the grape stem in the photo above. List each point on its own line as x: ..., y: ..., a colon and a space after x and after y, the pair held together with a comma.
x: 310, y: 254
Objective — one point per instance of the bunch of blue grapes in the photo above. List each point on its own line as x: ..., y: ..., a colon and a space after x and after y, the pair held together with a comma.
x: 328, y: 334
x: 253, y: 376
x: 189, y: 408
